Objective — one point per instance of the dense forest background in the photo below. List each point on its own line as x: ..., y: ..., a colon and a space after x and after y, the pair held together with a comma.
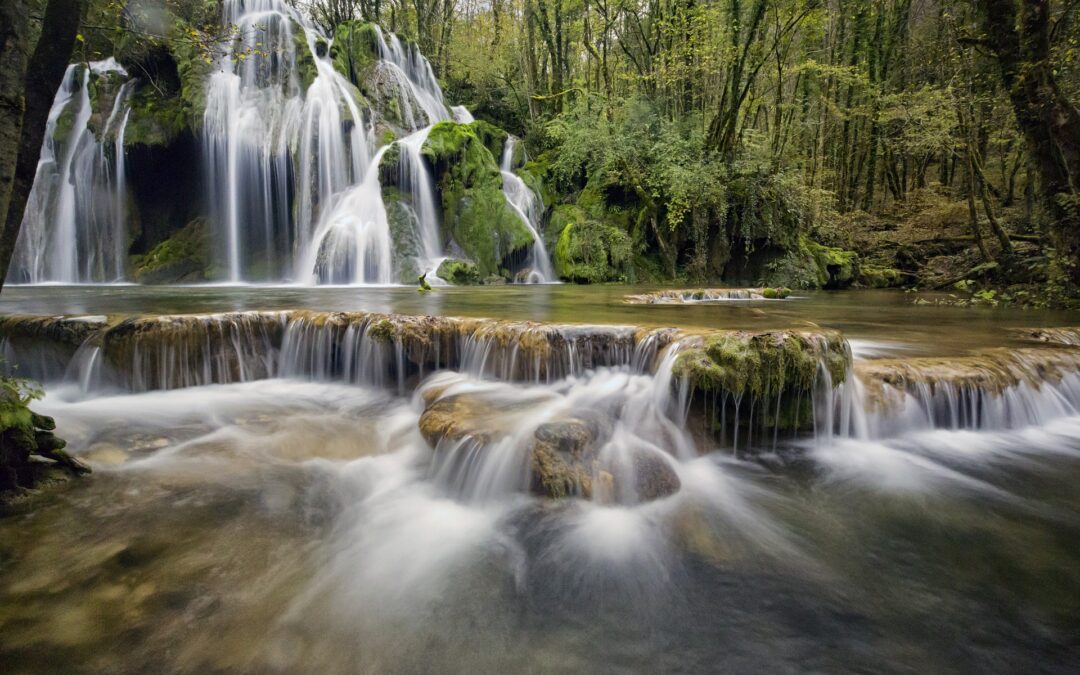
x: 808, y: 143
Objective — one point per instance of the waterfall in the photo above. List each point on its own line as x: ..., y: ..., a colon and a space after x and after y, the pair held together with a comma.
x: 258, y: 120
x: 413, y: 72
x: 530, y: 208
x: 74, y: 229
x: 289, y: 157
x: 415, y: 178
x: 293, y: 178
x: 352, y: 242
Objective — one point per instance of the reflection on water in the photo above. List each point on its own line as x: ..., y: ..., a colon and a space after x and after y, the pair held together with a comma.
x: 291, y: 526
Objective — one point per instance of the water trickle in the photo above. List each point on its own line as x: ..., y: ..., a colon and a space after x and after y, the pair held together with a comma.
x: 75, y: 226
x: 530, y: 209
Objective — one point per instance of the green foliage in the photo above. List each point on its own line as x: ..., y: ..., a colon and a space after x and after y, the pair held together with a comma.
x: 458, y: 272
x: 590, y: 252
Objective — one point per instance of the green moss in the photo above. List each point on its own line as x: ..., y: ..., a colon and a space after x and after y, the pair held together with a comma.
x: 493, y: 138
x: 24, y: 433
x: 772, y: 372
x: 588, y: 252
x: 382, y: 331
x: 764, y: 364
x: 837, y: 267
x: 813, y: 265
x: 875, y: 276
x: 155, y: 119
x: 355, y: 50
x: 184, y: 256
x: 306, y: 69
x: 458, y: 272
x: 194, y: 66
x: 403, y: 234
x: 778, y: 293
x: 475, y: 212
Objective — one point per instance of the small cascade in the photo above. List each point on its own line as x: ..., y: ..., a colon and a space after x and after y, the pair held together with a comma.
x: 706, y: 295
x: 75, y: 229
x: 413, y: 73
x: 991, y: 391
x: 531, y: 209
x: 352, y: 242
x: 414, y: 177
x: 461, y: 114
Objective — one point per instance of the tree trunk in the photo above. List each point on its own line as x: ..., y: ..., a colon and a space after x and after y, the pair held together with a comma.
x: 1018, y: 31
x: 14, y: 36
x: 44, y: 73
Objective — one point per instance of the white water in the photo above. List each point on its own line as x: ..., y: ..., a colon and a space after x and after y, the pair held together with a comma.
x: 382, y: 540
x: 75, y: 227
x: 413, y: 73
x: 530, y: 209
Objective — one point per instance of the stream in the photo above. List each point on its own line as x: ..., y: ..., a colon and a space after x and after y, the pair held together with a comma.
x: 287, y: 509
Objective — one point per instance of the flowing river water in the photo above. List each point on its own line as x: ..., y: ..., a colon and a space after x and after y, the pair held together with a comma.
x: 268, y: 494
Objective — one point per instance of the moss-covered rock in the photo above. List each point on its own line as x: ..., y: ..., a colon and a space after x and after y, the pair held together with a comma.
x: 589, y: 252
x: 773, y: 372
x: 476, y: 214
x: 25, y: 435
x: 355, y: 50
x: 155, y: 119
x: 493, y: 138
x: 875, y: 276
x: 837, y: 268
x: 183, y: 257
x: 458, y: 272
x: 812, y: 265
x: 404, y: 234
x: 306, y: 69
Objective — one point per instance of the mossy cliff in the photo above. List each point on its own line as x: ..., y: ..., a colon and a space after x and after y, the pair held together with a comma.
x: 476, y: 215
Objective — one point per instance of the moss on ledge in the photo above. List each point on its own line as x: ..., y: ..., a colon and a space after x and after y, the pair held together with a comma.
x: 764, y: 364
x: 185, y: 256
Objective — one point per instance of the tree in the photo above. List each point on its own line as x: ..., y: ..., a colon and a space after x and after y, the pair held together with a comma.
x: 1018, y: 33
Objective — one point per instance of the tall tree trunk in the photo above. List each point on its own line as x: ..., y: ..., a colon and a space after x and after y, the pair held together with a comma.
x: 14, y: 36
x: 1019, y: 33
x: 44, y: 73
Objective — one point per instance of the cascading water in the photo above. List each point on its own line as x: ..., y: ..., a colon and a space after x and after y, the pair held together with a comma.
x: 413, y: 73
x: 75, y: 227
x: 415, y: 178
x: 542, y: 485
x: 270, y: 146
x: 529, y: 207
x: 289, y: 157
